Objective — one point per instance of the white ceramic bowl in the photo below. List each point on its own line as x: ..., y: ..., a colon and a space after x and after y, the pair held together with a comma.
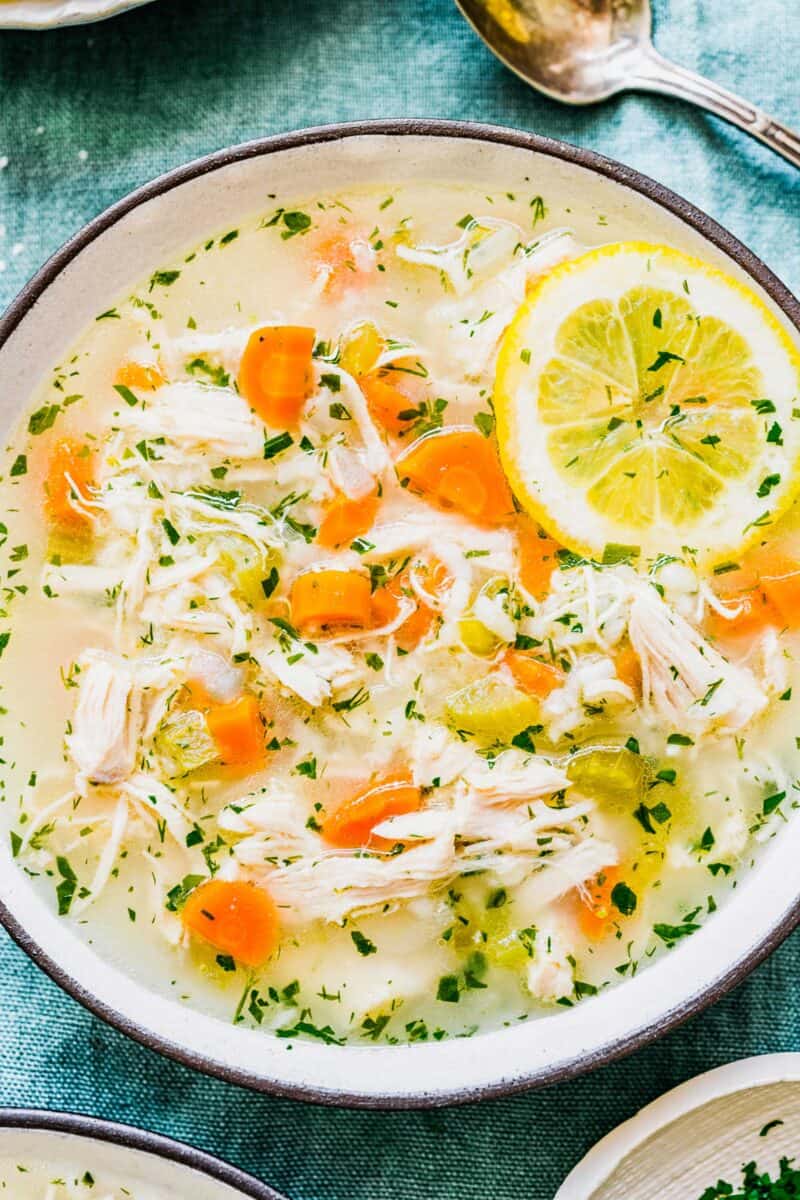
x: 44, y: 14
x: 698, y: 1133
x: 144, y: 1163
x: 103, y: 261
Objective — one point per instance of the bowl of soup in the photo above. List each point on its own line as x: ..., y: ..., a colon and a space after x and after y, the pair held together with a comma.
x: 63, y: 1156
x: 400, y: 563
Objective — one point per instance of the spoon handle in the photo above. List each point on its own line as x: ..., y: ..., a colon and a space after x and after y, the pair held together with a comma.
x: 656, y: 74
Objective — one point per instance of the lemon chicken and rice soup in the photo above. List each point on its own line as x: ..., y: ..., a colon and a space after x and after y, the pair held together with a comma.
x: 409, y: 588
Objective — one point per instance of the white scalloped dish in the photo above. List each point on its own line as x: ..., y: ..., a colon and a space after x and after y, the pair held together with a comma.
x: 698, y: 1134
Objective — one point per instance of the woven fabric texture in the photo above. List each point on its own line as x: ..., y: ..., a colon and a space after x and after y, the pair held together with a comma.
x: 88, y: 113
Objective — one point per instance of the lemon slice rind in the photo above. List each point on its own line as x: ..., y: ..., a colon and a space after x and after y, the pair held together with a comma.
x: 567, y: 381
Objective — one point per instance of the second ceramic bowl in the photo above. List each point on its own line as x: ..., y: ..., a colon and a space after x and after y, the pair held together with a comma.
x: 37, y: 1147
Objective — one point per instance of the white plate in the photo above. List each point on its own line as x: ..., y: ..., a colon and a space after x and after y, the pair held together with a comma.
x: 143, y: 1165
x: 166, y: 219
x: 696, y: 1134
x: 44, y: 14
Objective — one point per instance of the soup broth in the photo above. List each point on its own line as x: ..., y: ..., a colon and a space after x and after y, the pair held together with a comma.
x: 308, y: 724
x: 35, y: 1180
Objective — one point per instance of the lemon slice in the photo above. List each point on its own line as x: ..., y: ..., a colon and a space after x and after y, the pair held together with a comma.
x: 646, y: 399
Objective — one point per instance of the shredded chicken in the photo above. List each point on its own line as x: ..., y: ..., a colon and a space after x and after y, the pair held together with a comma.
x: 195, y: 415
x: 551, y: 974
x: 104, y: 730
x: 688, y: 682
x: 113, y: 700
x: 493, y: 825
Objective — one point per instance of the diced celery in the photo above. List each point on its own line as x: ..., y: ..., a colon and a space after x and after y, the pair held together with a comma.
x: 67, y: 547
x: 184, y: 739
x: 491, y: 708
x: 477, y: 638
x: 513, y: 951
x: 361, y: 348
x: 252, y: 570
x: 480, y: 924
x: 494, y: 586
x: 609, y: 773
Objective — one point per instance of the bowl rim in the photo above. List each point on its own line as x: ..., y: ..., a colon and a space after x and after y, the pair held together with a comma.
x: 600, y: 165
x: 142, y: 1141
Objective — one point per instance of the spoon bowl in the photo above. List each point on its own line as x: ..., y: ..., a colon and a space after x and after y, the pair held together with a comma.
x: 583, y: 51
x: 578, y: 51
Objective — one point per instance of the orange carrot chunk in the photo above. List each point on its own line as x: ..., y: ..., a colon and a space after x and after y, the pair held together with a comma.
x: 458, y: 469
x: 350, y: 824
x: 70, y: 477
x: 135, y: 375
x: 239, y: 919
x: 347, y: 519
x: 395, y: 394
x: 388, y: 406
x: 330, y: 599
x: 535, y: 677
x: 780, y: 582
x: 597, y: 910
x: 386, y: 604
x: 537, y: 558
x: 342, y: 257
x: 386, y: 601
x: 744, y: 595
x: 628, y: 668
x: 237, y: 730
x: 195, y: 695
x: 275, y: 375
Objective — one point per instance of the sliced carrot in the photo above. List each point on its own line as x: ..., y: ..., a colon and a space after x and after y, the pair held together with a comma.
x: 537, y: 558
x: 458, y: 469
x: 195, y: 695
x: 237, y: 730
x: 330, y: 598
x: 275, y: 375
x: 535, y: 677
x: 346, y: 259
x: 596, y: 910
x: 70, y: 477
x: 350, y: 824
x: 386, y: 603
x: 395, y: 394
x: 744, y: 595
x: 754, y: 613
x: 135, y: 375
x: 388, y: 406
x: 347, y: 519
x: 780, y: 583
x: 239, y: 919
x: 628, y: 668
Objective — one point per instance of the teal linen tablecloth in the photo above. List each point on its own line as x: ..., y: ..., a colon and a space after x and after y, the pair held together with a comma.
x: 85, y: 115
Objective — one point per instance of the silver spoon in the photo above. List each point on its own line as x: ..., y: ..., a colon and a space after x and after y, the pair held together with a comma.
x: 580, y: 51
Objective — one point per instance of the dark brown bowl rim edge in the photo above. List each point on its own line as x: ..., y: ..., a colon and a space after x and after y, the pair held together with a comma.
x: 608, y: 168
x: 143, y: 1141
